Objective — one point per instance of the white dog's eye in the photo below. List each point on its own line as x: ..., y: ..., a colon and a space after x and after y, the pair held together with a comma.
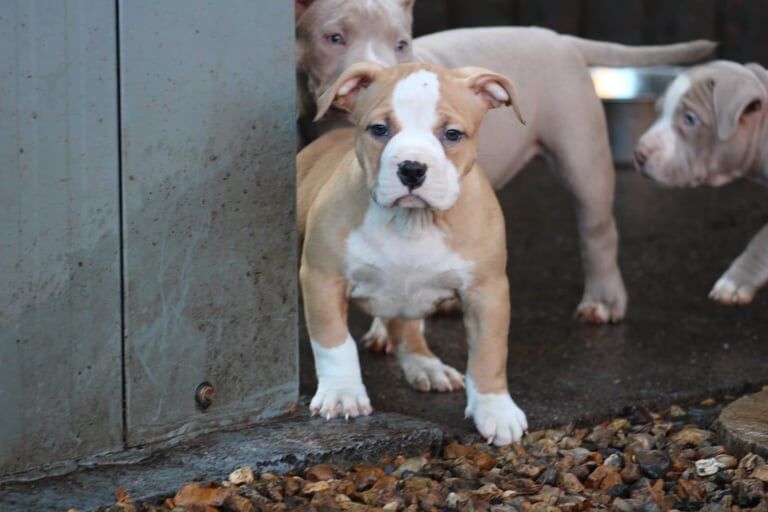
x: 691, y: 119
x: 401, y: 45
x: 336, y: 38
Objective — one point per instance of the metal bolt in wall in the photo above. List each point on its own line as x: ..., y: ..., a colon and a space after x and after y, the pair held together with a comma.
x: 204, y: 395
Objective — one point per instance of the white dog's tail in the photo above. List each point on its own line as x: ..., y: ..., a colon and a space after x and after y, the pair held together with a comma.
x: 598, y: 53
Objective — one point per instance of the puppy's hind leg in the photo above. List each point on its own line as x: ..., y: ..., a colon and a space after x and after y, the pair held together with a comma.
x: 583, y: 160
x: 423, y: 370
x: 377, y: 339
x: 746, y: 274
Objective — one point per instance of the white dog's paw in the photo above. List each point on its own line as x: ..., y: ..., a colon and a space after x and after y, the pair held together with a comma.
x: 497, y: 416
x: 729, y: 292
x: 376, y: 339
x: 603, y: 304
x: 599, y: 312
x: 429, y: 373
x: 350, y: 402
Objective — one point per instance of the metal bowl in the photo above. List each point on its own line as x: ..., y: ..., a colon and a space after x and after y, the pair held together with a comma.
x: 629, y: 96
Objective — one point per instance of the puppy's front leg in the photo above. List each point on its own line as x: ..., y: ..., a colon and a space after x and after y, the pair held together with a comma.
x: 340, y: 389
x: 746, y: 275
x: 486, y: 316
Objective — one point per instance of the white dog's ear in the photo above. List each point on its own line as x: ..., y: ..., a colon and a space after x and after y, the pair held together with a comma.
x: 736, y: 99
x: 408, y: 5
x: 492, y: 89
x: 344, y: 92
x: 301, y: 6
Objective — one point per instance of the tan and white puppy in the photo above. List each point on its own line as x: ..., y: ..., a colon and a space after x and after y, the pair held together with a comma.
x: 566, y: 120
x: 397, y: 217
x: 713, y: 128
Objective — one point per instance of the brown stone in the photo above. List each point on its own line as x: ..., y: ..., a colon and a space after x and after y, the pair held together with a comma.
x: 743, y: 425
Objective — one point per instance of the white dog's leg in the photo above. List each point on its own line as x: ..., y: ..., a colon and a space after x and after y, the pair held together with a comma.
x: 340, y: 388
x: 746, y: 274
x: 583, y: 161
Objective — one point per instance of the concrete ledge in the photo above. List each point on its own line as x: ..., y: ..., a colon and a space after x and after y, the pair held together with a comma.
x: 281, y: 445
x: 743, y: 425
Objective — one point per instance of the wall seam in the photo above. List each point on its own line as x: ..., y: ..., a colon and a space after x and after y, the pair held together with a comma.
x: 121, y: 230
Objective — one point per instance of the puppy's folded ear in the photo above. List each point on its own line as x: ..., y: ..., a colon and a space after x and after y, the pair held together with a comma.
x: 736, y: 99
x: 344, y: 92
x: 408, y: 5
x: 492, y: 89
x: 300, y: 6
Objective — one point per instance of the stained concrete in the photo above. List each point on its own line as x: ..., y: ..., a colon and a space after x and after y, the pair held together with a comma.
x: 287, y: 444
x: 675, y: 346
x: 743, y: 425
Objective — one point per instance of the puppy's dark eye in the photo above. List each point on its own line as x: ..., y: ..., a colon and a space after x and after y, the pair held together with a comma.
x: 379, y: 130
x: 691, y: 120
x: 453, y: 135
x: 336, y: 38
x: 401, y: 45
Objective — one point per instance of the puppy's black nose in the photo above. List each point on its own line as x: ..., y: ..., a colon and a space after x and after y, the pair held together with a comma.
x: 412, y: 174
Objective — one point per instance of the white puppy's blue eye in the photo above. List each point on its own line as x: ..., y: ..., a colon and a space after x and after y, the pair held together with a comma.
x: 453, y: 135
x: 401, y: 46
x: 691, y: 120
x: 379, y: 130
x: 336, y: 38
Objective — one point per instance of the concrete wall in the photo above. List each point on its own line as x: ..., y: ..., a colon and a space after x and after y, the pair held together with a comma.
x: 208, y: 187
x: 169, y: 163
x: 60, y: 385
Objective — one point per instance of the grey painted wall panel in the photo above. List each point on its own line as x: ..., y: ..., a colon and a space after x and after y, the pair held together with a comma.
x: 59, y: 262
x: 208, y: 182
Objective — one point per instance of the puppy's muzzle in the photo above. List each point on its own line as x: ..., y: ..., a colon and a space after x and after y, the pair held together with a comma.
x: 412, y: 174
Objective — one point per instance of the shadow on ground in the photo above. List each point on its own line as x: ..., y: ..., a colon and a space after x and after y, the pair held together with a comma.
x: 675, y: 345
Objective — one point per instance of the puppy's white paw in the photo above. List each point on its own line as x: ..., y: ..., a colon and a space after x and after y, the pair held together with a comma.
x: 497, y: 416
x: 334, y: 401
x: 340, y: 389
x: 376, y: 339
x: 429, y: 373
x: 598, y: 312
x: 730, y: 293
x: 604, y: 302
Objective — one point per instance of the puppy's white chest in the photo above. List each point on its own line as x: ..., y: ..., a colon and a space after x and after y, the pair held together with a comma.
x: 399, y: 265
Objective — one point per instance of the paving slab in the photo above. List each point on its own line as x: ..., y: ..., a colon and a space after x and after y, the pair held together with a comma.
x: 675, y: 346
x: 286, y: 444
x: 743, y: 425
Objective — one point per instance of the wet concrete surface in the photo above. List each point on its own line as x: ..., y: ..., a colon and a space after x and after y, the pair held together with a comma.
x: 675, y: 345
x: 286, y: 444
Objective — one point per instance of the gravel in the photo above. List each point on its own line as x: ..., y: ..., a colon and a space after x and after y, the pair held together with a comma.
x: 642, y: 461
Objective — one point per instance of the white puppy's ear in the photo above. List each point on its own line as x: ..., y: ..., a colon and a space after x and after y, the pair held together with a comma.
x: 301, y: 6
x: 344, y: 92
x: 408, y: 5
x: 736, y: 99
x: 492, y: 89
